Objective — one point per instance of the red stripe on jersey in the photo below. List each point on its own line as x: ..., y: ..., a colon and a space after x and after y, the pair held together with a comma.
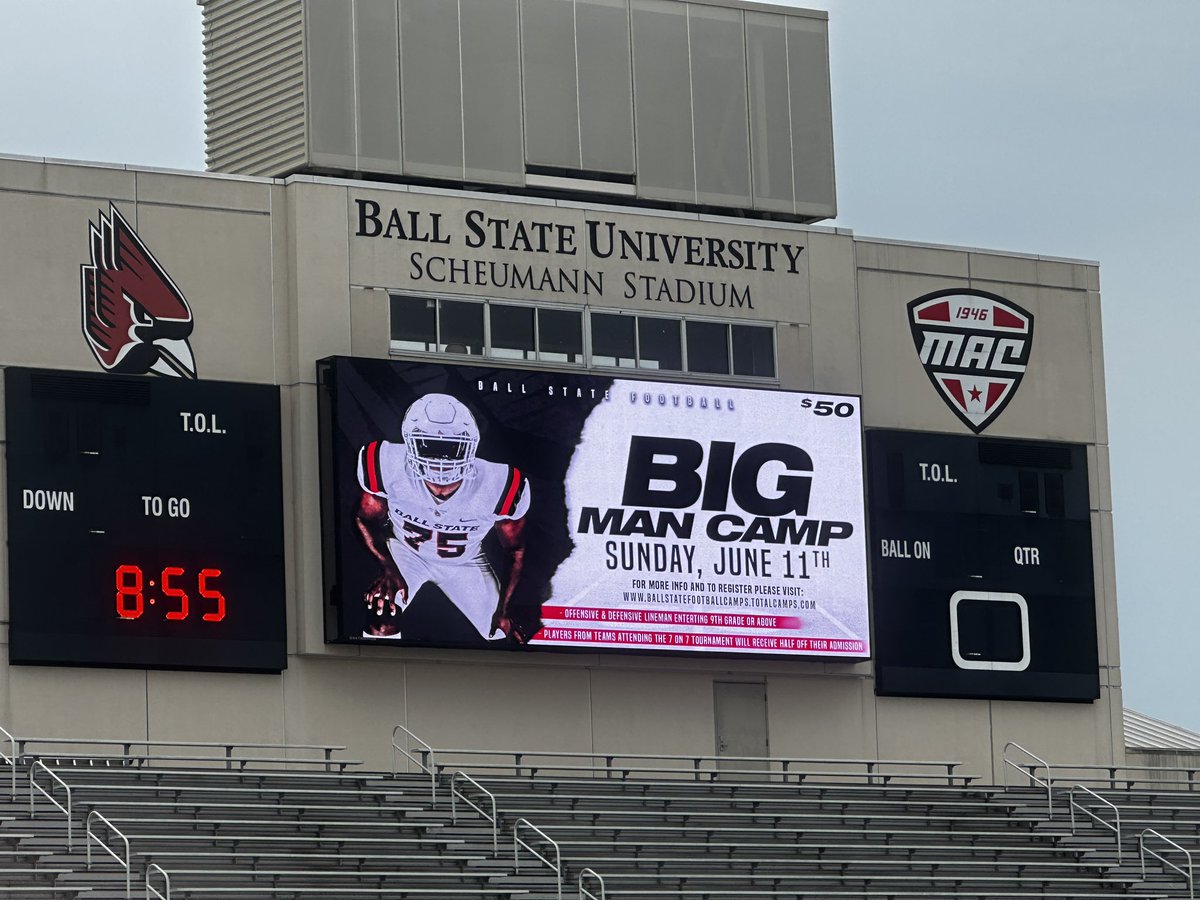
x: 372, y: 466
x: 509, y: 502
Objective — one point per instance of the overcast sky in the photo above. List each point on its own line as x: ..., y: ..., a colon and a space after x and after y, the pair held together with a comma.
x: 1060, y: 127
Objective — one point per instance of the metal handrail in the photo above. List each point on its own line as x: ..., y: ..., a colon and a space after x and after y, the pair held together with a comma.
x: 584, y: 893
x: 1028, y: 770
x: 1142, y: 851
x: 150, y: 889
x: 229, y: 757
x: 456, y: 794
x: 1111, y: 775
x: 698, y: 766
x: 35, y: 789
x: 92, y: 836
x: 555, y: 867
x: 11, y: 759
x: 1074, y: 804
x: 427, y: 761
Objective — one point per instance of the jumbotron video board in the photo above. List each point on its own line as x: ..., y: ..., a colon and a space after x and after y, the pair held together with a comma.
x: 492, y: 507
x: 145, y: 522
x: 981, y: 562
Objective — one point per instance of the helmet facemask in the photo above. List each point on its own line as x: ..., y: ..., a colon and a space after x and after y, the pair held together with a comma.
x: 441, y: 438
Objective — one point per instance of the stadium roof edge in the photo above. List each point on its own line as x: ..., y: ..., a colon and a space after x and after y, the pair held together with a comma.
x: 1143, y: 732
x: 752, y: 5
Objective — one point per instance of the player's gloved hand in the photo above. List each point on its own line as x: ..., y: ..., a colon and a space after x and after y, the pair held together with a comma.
x: 502, y: 623
x: 385, y: 598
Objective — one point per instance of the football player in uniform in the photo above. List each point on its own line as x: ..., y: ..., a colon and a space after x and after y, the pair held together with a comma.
x: 426, y: 506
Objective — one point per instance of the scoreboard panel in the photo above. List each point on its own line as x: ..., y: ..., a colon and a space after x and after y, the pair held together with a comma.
x: 654, y: 517
x: 144, y: 522
x: 981, y: 559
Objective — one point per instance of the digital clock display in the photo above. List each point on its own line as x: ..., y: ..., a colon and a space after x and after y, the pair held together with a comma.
x: 144, y: 522
x: 131, y: 593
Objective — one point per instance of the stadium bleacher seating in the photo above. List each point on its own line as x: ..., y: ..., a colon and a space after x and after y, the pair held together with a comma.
x: 241, y: 822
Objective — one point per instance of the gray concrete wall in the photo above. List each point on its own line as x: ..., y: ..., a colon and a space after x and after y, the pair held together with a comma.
x: 712, y: 103
x: 278, y: 277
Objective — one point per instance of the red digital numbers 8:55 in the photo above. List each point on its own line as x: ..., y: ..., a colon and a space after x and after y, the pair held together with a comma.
x: 131, y: 587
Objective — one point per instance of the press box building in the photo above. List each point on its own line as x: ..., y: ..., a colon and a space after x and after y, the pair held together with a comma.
x: 626, y: 189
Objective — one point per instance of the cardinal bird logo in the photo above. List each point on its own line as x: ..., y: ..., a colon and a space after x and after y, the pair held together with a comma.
x: 135, y: 319
x: 975, y: 348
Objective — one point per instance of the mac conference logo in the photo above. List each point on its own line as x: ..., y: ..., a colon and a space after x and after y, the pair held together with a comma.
x: 975, y: 349
x: 135, y: 320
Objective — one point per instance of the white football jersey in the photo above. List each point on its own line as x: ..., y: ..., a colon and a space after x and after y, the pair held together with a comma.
x: 450, y: 530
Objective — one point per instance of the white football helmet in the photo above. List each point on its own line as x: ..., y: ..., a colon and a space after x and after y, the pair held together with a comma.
x: 441, y: 437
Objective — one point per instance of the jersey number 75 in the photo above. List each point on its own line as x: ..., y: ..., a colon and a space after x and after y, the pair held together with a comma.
x: 449, y: 544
